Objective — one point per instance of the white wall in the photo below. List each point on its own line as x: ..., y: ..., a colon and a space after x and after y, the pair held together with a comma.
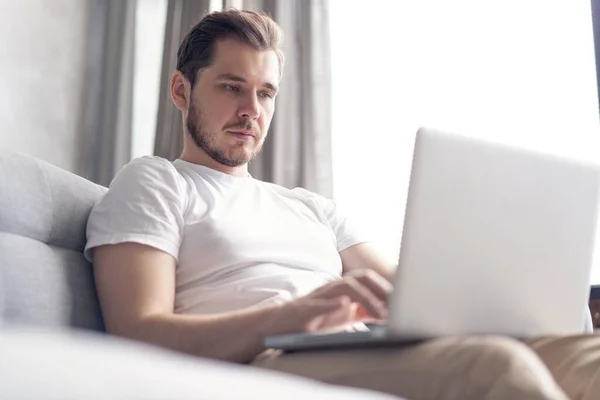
x: 42, y: 53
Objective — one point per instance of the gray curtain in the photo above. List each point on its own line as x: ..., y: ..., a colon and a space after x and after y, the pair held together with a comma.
x: 107, y: 118
x: 181, y: 16
x: 298, y: 150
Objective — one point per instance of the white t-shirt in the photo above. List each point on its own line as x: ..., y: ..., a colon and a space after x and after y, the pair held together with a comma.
x: 239, y: 242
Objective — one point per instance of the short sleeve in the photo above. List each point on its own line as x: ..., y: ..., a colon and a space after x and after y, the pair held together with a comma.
x: 345, y: 229
x: 144, y: 204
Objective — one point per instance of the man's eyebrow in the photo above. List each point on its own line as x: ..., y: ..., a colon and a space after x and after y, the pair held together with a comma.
x: 236, y: 78
x: 271, y: 86
x: 231, y: 77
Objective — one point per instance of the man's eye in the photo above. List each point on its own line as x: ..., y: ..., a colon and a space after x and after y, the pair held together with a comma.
x: 231, y: 88
x: 266, y: 95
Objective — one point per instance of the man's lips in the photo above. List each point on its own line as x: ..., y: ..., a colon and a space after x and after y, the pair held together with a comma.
x: 245, y: 133
x: 242, y: 133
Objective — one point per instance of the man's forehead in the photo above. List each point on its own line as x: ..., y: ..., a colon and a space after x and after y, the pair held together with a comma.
x: 237, y: 58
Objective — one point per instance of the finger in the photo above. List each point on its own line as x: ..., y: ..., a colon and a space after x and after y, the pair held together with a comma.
x: 363, y: 315
x: 361, y: 312
x: 361, y: 294
x: 380, y: 286
x: 327, y: 313
x: 339, y: 318
x: 315, y: 307
x: 356, y: 291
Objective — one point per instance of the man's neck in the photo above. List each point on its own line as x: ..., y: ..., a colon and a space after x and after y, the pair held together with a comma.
x: 201, y: 158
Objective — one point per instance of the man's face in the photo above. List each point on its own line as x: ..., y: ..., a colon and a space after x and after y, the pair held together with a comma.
x: 233, y: 101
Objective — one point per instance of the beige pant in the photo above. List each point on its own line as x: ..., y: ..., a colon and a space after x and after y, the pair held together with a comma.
x: 459, y: 368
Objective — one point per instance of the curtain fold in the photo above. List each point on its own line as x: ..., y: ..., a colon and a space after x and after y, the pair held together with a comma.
x: 298, y: 150
x: 108, y: 97
x: 181, y: 16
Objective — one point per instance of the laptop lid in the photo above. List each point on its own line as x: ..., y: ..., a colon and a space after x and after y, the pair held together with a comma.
x: 496, y: 240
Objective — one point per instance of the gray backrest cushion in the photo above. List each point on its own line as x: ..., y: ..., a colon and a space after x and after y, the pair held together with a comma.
x: 45, y: 279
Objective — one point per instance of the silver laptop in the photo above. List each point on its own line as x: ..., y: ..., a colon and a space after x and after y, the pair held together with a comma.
x: 496, y: 240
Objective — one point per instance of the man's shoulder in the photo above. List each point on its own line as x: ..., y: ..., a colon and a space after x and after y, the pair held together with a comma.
x: 293, y: 192
x: 320, y: 199
x: 310, y: 198
x: 149, y: 163
x: 147, y: 169
x: 146, y: 178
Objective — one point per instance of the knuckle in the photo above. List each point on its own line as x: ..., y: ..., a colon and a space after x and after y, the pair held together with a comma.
x: 369, y: 273
x: 366, y: 275
x: 350, y: 281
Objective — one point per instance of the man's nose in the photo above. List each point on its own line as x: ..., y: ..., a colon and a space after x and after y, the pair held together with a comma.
x: 250, y: 107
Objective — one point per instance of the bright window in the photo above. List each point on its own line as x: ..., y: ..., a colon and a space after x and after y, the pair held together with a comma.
x: 518, y: 71
x: 150, y: 22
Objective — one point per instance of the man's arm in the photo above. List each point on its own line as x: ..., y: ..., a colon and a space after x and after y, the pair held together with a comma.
x: 136, y: 288
x: 364, y: 256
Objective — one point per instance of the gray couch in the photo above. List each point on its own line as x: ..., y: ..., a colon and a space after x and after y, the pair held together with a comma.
x: 51, y: 339
x: 44, y: 277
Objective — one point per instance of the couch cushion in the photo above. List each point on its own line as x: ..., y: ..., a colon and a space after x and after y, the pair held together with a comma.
x: 43, y: 215
x: 84, y: 365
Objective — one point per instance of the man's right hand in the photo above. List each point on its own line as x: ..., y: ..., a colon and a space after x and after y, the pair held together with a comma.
x: 358, y: 296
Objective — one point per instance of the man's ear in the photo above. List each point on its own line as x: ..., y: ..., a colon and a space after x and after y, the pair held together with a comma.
x: 180, y: 90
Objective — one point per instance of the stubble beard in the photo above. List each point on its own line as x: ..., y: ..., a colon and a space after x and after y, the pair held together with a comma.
x: 207, y: 141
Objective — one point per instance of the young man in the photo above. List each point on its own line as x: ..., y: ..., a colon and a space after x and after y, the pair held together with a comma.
x: 199, y: 257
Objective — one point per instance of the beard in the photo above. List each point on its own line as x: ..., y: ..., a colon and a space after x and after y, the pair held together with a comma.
x: 207, y: 141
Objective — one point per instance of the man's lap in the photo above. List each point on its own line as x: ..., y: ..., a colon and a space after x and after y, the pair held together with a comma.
x: 453, y: 368
x: 574, y: 361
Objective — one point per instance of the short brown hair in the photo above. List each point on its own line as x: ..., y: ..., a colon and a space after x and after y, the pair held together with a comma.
x: 256, y: 29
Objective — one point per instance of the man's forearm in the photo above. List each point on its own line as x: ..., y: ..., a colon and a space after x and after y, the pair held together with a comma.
x: 365, y: 256
x: 233, y: 336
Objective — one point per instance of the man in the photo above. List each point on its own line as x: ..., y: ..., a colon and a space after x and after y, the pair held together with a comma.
x: 199, y: 257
